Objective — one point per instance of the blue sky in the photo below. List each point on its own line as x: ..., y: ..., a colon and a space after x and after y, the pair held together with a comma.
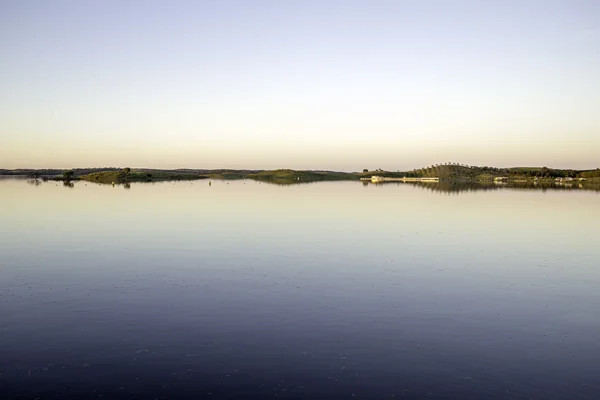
x: 299, y: 84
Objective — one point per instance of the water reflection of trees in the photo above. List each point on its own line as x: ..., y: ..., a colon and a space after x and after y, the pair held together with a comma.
x: 460, y: 187
x: 286, y: 182
x: 445, y: 187
x: 454, y: 187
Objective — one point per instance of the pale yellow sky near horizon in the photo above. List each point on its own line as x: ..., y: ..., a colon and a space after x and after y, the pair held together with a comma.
x: 344, y: 157
x: 307, y: 85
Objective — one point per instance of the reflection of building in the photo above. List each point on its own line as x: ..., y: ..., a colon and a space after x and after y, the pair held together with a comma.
x: 501, y: 179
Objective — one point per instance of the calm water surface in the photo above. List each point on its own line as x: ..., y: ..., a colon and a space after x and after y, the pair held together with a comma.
x: 246, y: 290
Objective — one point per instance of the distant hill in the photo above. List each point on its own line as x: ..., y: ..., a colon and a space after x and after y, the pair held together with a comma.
x: 293, y: 176
x: 478, y: 173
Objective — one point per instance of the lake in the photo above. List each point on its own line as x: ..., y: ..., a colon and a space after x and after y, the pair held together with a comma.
x: 337, y: 290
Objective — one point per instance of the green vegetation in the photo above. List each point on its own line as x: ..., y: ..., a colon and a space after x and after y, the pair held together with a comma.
x: 591, y: 174
x: 280, y: 176
x: 228, y: 175
x: 380, y: 172
x: 449, y: 172
x: 52, y: 173
x: 289, y: 176
x: 68, y: 175
x: 127, y: 175
x: 457, y: 171
x: 530, y: 176
x: 462, y: 172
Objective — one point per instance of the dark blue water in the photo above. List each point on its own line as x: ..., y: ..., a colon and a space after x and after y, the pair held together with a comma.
x: 329, y: 290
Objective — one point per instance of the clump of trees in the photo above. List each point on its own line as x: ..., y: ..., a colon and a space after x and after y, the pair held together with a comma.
x: 544, y: 172
x: 123, y: 175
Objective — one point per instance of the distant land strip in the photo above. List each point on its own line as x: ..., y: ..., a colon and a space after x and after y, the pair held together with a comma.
x: 443, y: 172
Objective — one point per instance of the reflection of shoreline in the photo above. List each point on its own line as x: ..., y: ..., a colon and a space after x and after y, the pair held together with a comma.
x: 457, y: 187
x: 442, y: 187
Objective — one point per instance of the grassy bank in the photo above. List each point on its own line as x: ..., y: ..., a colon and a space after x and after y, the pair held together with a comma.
x: 290, y: 176
x: 123, y: 176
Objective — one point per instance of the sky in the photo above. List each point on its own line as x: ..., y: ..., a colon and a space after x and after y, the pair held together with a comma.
x: 341, y: 85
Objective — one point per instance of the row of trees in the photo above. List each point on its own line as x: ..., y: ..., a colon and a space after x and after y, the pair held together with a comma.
x: 546, y: 172
x: 456, y: 169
